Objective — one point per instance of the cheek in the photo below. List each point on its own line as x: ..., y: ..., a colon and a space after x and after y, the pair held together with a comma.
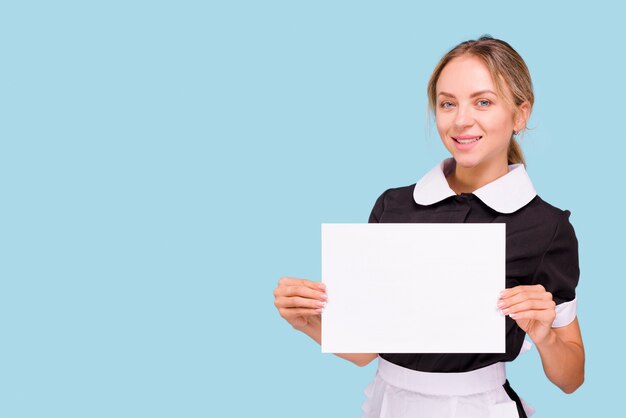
x: 442, y: 125
x: 502, y: 123
x: 443, y: 131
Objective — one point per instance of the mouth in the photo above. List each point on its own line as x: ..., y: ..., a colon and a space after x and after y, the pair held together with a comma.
x: 466, y: 139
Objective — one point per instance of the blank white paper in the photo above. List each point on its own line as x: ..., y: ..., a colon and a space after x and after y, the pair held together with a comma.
x: 413, y: 288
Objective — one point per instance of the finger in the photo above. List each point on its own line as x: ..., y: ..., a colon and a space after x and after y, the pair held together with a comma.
x: 522, y: 296
x: 291, y: 281
x: 302, y: 291
x: 543, y: 316
x: 531, y: 304
x: 522, y: 288
x: 298, y: 302
x: 291, y: 313
x: 513, y: 291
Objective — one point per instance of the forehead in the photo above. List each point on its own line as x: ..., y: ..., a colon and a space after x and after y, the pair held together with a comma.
x: 465, y: 75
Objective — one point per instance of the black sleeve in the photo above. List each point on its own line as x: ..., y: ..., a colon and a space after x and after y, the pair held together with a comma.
x: 379, y: 207
x: 558, y: 270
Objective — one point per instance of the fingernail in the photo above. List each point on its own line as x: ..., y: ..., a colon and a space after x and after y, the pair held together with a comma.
x: 322, y: 286
x: 505, y: 311
x: 318, y: 310
x: 501, y: 304
x: 324, y: 296
x: 513, y: 315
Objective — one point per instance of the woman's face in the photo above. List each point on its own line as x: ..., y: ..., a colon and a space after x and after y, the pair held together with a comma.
x: 474, y: 122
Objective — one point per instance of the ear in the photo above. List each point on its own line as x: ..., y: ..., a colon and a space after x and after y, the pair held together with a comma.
x: 521, y: 116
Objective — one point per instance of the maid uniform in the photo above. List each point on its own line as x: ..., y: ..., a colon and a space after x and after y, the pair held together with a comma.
x: 541, y: 248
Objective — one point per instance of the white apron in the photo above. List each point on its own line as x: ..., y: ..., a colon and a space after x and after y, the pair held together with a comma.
x: 398, y: 392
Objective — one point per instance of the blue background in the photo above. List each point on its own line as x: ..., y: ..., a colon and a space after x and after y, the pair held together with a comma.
x: 163, y: 163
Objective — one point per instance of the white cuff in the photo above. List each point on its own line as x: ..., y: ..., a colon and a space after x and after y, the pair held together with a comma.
x: 565, y: 314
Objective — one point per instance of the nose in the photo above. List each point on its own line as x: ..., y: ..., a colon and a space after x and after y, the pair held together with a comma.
x: 463, y: 117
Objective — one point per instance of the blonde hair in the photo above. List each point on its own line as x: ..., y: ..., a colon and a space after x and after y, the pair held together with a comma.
x: 505, y: 65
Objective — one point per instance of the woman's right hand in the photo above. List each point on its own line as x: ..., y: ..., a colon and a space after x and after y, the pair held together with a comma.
x: 300, y: 301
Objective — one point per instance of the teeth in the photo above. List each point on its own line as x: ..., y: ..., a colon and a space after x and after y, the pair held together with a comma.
x: 468, y: 141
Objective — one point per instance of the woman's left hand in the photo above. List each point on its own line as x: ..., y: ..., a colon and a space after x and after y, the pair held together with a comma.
x: 532, y: 308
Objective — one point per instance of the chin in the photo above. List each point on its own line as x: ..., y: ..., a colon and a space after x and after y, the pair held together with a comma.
x: 466, y: 161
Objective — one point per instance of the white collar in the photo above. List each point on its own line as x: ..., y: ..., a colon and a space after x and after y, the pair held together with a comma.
x: 505, y: 194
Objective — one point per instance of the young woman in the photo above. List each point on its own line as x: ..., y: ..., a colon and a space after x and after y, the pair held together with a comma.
x: 481, y: 95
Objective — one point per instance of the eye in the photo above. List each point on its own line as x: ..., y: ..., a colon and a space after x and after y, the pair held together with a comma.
x: 483, y: 103
x: 445, y: 105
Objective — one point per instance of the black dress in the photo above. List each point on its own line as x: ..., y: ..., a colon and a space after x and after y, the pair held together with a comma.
x: 541, y: 248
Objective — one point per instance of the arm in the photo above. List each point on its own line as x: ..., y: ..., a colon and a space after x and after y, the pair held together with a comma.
x: 296, y: 301
x: 561, y: 349
x: 300, y: 302
x: 534, y: 309
x: 563, y: 357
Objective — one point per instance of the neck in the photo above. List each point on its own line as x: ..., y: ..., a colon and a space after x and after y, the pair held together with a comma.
x: 468, y: 179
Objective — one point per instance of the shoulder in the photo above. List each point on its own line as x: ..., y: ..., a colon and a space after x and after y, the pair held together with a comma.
x: 547, y: 213
x: 390, y: 199
x: 396, y: 197
x: 552, y: 224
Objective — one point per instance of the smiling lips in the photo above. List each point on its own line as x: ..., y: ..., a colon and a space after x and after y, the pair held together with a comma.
x: 466, y: 139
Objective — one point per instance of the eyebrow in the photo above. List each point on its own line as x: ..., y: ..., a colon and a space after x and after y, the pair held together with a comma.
x: 478, y: 93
